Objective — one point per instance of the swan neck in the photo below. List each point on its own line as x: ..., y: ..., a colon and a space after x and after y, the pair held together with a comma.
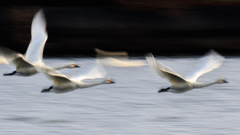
x: 201, y: 85
x: 61, y: 67
x: 85, y: 85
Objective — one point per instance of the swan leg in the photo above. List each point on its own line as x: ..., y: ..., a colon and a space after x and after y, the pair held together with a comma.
x: 8, y: 74
x: 46, y: 90
x: 164, y: 90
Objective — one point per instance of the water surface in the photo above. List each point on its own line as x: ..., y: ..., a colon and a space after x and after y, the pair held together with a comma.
x: 130, y: 106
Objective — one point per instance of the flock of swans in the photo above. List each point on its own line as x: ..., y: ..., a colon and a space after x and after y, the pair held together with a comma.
x: 32, y: 63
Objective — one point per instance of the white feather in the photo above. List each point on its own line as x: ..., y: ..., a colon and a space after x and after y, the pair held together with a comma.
x: 39, y: 35
x: 207, y: 63
x: 94, y: 73
x: 164, y: 71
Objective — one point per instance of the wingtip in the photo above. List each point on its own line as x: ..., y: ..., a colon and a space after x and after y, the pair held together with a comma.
x: 96, y: 50
x: 148, y: 54
x: 213, y: 52
x: 216, y: 54
x: 40, y: 12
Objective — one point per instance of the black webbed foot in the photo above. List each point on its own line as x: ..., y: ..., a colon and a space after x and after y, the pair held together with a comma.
x: 164, y: 90
x: 8, y: 74
x: 46, y: 90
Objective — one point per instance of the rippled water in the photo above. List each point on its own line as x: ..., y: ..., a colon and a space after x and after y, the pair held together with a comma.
x: 130, y: 106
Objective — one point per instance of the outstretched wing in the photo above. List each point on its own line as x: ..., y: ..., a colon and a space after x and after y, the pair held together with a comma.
x: 21, y: 63
x: 164, y: 71
x: 39, y: 37
x: 110, y: 53
x: 3, y: 60
x: 207, y: 63
x: 14, y: 58
x: 8, y: 54
x: 52, y: 74
x: 105, y: 54
x: 96, y: 72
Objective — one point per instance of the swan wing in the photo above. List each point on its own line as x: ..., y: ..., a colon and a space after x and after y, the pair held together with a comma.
x: 164, y: 71
x: 110, y: 53
x: 21, y: 63
x: 39, y: 36
x: 8, y: 54
x: 120, y: 63
x: 207, y: 63
x: 95, y: 72
x: 58, y: 78
x: 54, y: 75
x: 14, y: 58
x: 3, y: 60
x: 105, y: 54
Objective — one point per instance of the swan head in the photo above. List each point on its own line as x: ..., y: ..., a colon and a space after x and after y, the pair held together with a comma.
x: 220, y: 81
x: 109, y: 81
x: 73, y: 66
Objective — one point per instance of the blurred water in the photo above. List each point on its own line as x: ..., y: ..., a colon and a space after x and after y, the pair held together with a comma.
x: 130, y: 106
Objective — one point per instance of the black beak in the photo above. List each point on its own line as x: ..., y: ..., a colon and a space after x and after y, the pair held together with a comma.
x: 112, y: 82
x: 226, y: 82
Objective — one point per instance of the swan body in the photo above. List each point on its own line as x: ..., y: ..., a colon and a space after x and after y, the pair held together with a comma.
x: 25, y: 64
x: 180, y: 84
x: 63, y: 84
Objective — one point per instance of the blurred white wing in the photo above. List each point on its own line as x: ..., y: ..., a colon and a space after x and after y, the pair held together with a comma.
x: 106, y: 54
x: 110, y: 53
x: 9, y: 56
x: 207, y: 63
x: 165, y: 71
x: 57, y: 77
x: 39, y: 36
x: 3, y: 60
x: 120, y: 63
x: 96, y: 72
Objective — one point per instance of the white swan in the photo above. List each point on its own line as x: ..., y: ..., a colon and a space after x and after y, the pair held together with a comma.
x: 180, y: 84
x: 107, y: 59
x: 63, y: 84
x: 25, y: 64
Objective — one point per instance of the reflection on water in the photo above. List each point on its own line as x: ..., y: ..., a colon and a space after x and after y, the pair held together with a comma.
x: 130, y: 106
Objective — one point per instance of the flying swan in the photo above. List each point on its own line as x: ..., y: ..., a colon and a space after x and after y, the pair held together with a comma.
x: 179, y: 84
x: 24, y: 64
x: 63, y: 84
